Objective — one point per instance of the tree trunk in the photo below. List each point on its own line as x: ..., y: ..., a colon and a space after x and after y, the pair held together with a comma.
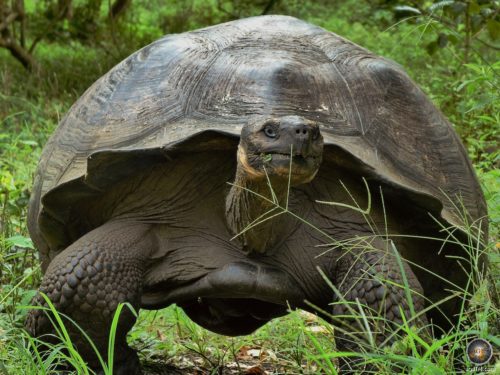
x: 23, y: 56
x: 19, y: 7
x: 7, y: 18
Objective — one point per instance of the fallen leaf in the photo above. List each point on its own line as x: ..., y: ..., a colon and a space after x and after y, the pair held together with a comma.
x: 317, y: 329
x: 308, y: 317
x: 255, y: 353
x: 243, y: 353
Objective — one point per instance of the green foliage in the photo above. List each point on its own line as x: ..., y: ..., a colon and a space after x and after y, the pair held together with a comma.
x: 456, y: 22
x: 447, y: 49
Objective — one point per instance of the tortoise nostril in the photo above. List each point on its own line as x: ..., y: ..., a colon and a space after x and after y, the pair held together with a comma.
x: 301, y: 130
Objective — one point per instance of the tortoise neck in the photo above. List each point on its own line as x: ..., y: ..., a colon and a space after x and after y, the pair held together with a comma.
x: 248, y: 204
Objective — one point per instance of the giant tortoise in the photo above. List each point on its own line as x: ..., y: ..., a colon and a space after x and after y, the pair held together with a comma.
x: 232, y: 170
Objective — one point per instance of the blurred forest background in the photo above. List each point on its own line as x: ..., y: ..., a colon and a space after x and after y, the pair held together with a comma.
x: 51, y: 51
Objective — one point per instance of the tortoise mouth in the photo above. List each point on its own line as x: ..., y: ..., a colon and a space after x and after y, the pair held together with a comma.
x: 284, y: 164
x: 237, y: 280
x: 297, y: 159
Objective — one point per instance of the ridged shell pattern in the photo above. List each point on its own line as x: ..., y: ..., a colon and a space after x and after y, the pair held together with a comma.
x: 221, y: 77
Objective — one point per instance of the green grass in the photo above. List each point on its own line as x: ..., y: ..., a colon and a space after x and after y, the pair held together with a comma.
x: 32, y: 105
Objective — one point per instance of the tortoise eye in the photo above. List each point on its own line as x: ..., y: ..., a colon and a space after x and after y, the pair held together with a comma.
x: 270, y: 131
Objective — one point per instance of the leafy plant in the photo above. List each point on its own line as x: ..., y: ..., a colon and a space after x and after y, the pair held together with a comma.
x: 70, y: 58
x: 456, y: 22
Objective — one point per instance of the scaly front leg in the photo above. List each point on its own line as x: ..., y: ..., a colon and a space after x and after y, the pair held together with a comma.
x: 88, y: 280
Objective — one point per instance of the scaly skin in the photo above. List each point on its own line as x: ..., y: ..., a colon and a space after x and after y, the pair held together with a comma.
x: 88, y: 280
x: 372, y: 277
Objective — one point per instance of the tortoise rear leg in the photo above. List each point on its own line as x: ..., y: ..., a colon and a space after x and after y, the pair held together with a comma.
x: 372, y: 277
x: 88, y: 280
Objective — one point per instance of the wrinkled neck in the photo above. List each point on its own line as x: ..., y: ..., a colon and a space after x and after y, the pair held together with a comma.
x: 248, y: 204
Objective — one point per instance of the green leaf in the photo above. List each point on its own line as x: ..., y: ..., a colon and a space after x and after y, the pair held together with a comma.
x: 464, y: 84
x: 493, y: 27
x: 29, y: 143
x: 452, y: 39
x: 431, y: 47
x: 266, y: 158
x: 20, y: 241
x: 476, y: 22
x: 474, y: 7
x: 27, y: 296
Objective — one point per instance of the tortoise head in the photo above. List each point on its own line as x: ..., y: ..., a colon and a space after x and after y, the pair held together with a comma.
x: 271, y: 146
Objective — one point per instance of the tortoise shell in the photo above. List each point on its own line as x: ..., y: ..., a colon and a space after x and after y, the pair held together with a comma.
x: 194, y: 91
